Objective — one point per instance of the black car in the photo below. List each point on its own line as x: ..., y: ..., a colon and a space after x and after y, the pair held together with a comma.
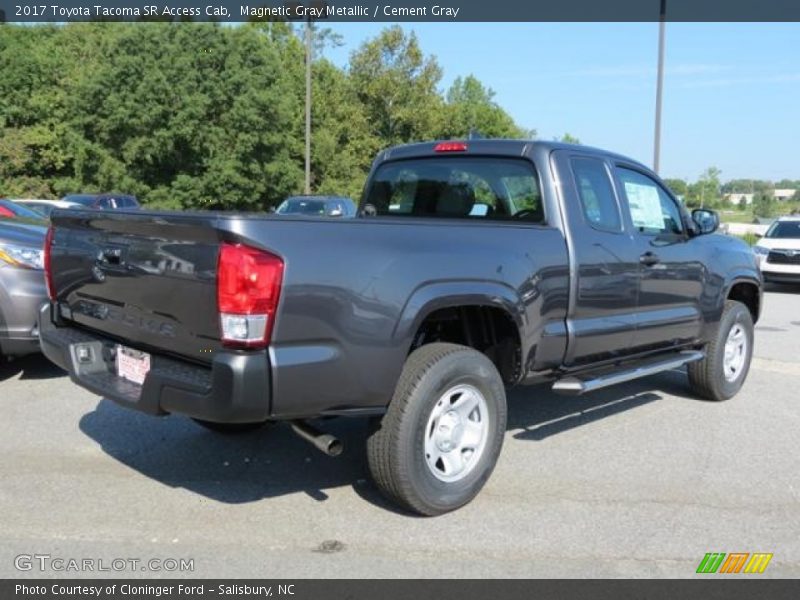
x: 321, y: 206
x: 103, y: 201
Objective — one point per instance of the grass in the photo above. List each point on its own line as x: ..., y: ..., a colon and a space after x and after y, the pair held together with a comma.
x: 749, y: 238
x: 736, y: 216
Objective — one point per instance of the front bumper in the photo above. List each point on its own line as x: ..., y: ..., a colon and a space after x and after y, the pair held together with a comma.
x: 780, y: 273
x: 234, y: 389
x: 22, y: 293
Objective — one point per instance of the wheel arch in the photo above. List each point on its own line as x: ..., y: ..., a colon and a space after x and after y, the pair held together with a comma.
x: 748, y: 291
x: 478, y: 308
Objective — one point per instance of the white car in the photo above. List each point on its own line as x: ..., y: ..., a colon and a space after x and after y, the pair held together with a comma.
x: 779, y: 251
x: 45, y: 207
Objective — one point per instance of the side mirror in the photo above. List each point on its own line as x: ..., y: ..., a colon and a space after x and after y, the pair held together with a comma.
x: 707, y: 221
x: 759, y: 235
x: 335, y: 212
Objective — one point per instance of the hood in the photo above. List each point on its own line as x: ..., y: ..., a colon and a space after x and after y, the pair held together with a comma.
x: 779, y: 243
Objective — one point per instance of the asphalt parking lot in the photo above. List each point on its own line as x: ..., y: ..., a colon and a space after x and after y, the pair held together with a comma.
x: 640, y: 480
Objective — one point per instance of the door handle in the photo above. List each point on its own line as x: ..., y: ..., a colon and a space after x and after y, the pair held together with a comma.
x: 649, y: 259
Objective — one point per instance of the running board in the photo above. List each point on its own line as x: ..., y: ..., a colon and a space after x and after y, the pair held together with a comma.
x: 575, y: 385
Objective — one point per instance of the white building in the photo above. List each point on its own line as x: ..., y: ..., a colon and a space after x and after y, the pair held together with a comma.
x: 783, y: 195
x: 737, y: 198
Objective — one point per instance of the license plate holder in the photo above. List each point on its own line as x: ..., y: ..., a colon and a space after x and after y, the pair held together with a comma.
x: 132, y: 365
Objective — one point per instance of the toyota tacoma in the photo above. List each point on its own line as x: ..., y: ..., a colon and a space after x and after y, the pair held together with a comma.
x: 471, y: 267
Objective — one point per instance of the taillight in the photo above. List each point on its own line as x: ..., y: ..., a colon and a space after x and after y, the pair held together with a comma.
x: 248, y: 288
x: 48, y: 269
x: 450, y: 147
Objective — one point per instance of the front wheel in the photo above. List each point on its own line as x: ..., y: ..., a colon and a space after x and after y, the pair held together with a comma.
x: 440, y: 438
x: 721, y: 374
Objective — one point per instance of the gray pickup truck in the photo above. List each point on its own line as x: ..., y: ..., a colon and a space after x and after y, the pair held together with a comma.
x: 472, y: 266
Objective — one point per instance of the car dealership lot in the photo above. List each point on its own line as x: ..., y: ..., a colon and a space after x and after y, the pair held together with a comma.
x: 634, y: 481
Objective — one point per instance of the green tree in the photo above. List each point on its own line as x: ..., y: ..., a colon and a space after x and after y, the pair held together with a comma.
x: 198, y: 115
x: 397, y: 84
x: 679, y: 187
x: 706, y: 191
x: 764, y: 205
x: 568, y: 138
x: 470, y: 106
x: 343, y: 144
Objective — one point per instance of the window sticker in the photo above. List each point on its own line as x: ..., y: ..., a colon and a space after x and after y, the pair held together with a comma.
x: 645, y: 206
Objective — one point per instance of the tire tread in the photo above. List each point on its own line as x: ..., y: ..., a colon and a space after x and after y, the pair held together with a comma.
x: 385, y: 453
x: 704, y: 374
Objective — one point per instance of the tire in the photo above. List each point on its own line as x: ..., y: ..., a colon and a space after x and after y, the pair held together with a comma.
x: 710, y: 378
x: 440, y: 438
x: 229, y: 428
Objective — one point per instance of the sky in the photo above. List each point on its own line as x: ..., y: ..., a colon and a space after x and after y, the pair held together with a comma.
x: 731, y: 90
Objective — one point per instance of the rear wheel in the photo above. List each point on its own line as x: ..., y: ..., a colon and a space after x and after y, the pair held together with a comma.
x: 229, y: 428
x: 439, y: 441
x: 721, y: 374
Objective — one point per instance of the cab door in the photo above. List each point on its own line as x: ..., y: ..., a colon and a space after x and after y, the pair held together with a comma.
x: 671, y: 272
x: 605, y: 262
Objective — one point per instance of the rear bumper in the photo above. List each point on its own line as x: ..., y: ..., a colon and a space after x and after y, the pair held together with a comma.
x: 22, y: 293
x: 234, y: 389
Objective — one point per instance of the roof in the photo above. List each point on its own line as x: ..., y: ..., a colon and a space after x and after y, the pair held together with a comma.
x: 501, y: 147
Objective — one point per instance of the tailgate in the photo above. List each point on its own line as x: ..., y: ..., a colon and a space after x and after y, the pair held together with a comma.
x: 148, y: 280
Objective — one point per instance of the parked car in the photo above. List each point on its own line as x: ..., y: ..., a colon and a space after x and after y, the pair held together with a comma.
x: 103, y: 201
x: 322, y: 206
x: 45, y: 207
x: 14, y: 210
x: 578, y: 268
x: 22, y: 285
x: 779, y: 251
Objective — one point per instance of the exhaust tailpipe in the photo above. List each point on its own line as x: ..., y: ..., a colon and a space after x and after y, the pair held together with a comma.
x: 324, y: 442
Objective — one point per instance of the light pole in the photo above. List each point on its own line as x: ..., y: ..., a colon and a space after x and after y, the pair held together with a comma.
x: 309, y: 58
x: 660, y: 85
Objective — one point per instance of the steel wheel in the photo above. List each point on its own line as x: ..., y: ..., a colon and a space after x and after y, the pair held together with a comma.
x: 735, y: 352
x: 456, y: 433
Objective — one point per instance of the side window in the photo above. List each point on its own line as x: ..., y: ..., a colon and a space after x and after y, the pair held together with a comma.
x: 596, y: 194
x: 652, y: 210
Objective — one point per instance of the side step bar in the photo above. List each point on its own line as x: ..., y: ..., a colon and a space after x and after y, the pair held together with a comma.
x: 575, y: 385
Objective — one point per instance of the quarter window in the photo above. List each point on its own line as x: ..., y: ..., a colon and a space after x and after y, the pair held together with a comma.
x: 596, y: 194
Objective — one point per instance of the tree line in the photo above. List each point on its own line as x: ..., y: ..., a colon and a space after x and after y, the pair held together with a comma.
x: 198, y: 115
x: 709, y: 191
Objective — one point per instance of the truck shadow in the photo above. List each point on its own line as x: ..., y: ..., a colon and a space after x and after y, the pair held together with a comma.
x: 272, y: 461
x: 35, y: 366
x: 549, y: 413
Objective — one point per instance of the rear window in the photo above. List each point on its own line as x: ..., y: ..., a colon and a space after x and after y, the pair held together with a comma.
x: 457, y: 187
